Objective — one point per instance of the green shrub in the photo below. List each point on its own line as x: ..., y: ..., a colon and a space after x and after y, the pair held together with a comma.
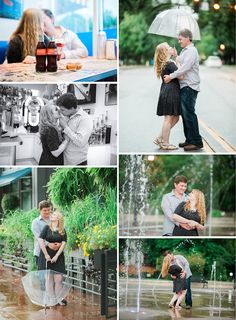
x: 216, y: 213
x: 10, y: 202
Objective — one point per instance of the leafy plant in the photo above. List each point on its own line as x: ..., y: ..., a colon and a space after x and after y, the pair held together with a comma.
x: 10, y: 202
x: 67, y: 185
x: 97, y: 237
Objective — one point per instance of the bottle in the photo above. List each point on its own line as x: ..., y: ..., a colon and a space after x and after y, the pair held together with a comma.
x: 101, y: 54
x: 52, y: 56
x: 41, y: 54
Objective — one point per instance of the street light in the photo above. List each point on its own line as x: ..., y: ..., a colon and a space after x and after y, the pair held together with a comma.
x: 222, y: 47
x: 216, y: 5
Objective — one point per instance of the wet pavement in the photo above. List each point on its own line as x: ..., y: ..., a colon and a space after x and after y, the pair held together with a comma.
x: 15, y: 305
x: 154, y: 303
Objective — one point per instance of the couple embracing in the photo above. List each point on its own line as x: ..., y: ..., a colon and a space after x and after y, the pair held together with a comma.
x: 184, y: 215
x: 178, y: 92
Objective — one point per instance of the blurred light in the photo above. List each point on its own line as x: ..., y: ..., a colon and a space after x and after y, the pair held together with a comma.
x: 222, y: 46
x: 234, y: 7
x: 196, y: 1
x: 216, y: 6
x: 231, y: 274
x: 151, y: 158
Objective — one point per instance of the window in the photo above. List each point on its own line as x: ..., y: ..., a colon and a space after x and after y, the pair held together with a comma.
x: 110, y: 14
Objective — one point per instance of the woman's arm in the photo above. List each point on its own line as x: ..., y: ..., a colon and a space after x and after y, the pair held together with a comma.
x: 191, y: 223
x: 54, y: 259
x: 60, y: 149
x: 43, y: 247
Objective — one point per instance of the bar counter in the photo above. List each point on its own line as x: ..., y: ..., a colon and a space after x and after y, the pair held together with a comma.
x: 92, y: 70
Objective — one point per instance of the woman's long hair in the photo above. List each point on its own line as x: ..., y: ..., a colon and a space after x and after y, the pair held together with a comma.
x: 46, y: 120
x: 165, y: 266
x: 29, y: 28
x: 161, y: 57
x: 201, y: 208
x: 61, y: 229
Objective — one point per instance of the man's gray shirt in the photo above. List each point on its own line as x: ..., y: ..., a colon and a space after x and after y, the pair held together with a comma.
x: 183, y: 262
x: 37, y: 226
x: 169, y: 203
x: 189, y: 60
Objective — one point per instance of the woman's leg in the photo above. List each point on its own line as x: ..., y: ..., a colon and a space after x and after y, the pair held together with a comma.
x: 166, y: 129
x: 175, y: 119
x: 58, y: 284
x: 181, y: 296
x: 174, y: 298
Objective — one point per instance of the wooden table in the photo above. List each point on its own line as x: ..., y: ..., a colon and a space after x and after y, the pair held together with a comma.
x: 92, y: 70
x: 10, y: 144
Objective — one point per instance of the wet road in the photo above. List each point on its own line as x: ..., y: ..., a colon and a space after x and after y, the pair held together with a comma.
x: 216, y: 110
x: 15, y: 305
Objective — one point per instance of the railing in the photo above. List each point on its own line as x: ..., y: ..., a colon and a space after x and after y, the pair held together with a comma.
x: 83, y: 277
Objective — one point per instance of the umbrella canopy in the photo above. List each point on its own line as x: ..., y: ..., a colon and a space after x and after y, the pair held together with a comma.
x: 170, y: 22
x: 40, y: 287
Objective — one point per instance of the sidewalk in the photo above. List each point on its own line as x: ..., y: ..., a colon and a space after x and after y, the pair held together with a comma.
x: 15, y: 305
x: 139, y: 124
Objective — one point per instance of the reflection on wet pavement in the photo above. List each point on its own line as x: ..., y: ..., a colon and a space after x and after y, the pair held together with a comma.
x: 15, y: 305
x: 154, y: 306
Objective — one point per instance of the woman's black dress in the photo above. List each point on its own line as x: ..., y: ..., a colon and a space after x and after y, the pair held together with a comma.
x: 15, y: 50
x: 169, y: 98
x: 50, y: 142
x: 52, y: 237
x: 190, y: 215
x: 179, y: 283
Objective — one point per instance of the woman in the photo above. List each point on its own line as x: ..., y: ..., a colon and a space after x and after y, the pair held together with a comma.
x: 193, y: 209
x: 169, y: 98
x: 179, y: 283
x: 53, y: 233
x: 24, y: 40
x: 51, y: 137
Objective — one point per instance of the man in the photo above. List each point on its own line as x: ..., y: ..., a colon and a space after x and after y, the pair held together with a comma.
x: 189, y: 88
x: 169, y: 203
x: 182, y: 261
x: 37, y: 226
x: 78, y: 129
x: 73, y: 46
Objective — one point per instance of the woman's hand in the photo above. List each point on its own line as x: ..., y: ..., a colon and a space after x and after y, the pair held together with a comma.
x: 54, y: 259
x: 29, y: 60
x: 48, y: 258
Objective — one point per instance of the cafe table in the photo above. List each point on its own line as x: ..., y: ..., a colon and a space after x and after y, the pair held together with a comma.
x: 92, y: 70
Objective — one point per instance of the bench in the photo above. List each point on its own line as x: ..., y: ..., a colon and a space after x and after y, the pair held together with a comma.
x: 200, y: 279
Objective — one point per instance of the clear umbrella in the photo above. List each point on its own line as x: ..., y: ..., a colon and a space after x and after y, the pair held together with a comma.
x: 170, y: 22
x: 46, y: 288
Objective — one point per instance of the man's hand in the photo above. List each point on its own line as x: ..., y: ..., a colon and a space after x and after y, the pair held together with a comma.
x: 63, y: 121
x: 173, y: 277
x: 182, y: 275
x: 174, y: 52
x: 54, y: 246
x: 167, y: 78
x: 185, y: 226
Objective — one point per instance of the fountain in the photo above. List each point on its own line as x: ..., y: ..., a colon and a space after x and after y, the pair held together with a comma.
x: 134, y: 192
x: 143, y: 299
x: 141, y: 216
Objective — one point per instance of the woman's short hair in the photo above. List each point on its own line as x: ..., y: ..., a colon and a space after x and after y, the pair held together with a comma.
x: 186, y: 33
x: 67, y: 100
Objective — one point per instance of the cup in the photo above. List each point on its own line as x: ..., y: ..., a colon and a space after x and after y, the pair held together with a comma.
x: 60, y: 44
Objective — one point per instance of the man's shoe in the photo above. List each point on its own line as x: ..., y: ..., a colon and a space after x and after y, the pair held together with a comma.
x: 183, y: 144
x: 188, y: 307
x: 192, y: 147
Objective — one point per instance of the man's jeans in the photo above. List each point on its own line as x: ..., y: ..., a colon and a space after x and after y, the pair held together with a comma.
x: 188, y: 297
x: 188, y: 98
